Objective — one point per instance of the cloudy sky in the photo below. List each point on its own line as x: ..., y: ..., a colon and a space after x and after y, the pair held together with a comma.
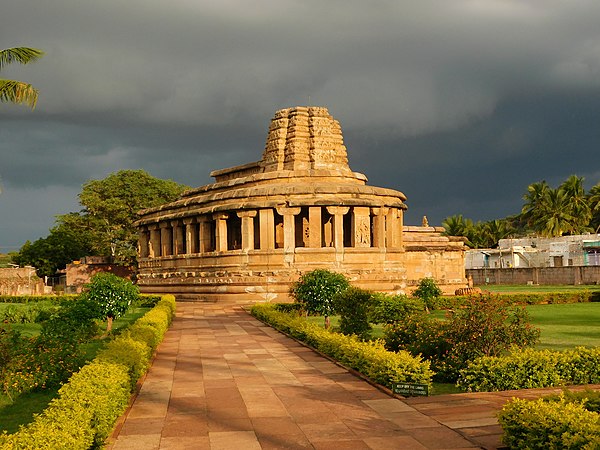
x: 460, y: 104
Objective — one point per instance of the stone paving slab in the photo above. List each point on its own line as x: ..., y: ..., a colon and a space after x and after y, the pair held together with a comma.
x: 223, y: 380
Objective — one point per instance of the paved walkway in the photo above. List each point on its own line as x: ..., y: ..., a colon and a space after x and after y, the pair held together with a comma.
x: 223, y: 380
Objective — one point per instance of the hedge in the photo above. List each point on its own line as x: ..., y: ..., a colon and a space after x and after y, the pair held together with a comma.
x: 525, y: 298
x: 87, y: 406
x: 530, y: 368
x: 369, y: 358
x: 549, y: 425
x: 56, y: 299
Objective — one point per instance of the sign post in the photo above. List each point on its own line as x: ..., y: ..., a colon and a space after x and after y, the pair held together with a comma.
x: 411, y: 389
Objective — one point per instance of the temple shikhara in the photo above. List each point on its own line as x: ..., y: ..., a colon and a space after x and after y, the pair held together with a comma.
x: 259, y: 226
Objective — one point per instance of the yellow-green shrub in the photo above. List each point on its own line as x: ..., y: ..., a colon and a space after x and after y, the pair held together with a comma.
x: 84, y: 413
x: 548, y: 425
x: 369, y: 358
x: 523, y: 369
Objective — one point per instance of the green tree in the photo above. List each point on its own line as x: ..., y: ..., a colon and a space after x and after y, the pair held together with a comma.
x: 593, y: 198
x: 112, y: 295
x: 578, y: 205
x: 534, y: 198
x: 53, y: 252
x: 316, y: 290
x: 427, y: 291
x: 110, y: 208
x: 18, y: 91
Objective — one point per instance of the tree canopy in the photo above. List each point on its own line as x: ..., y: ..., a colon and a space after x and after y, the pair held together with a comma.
x: 13, y: 91
x: 104, y: 227
x: 546, y: 211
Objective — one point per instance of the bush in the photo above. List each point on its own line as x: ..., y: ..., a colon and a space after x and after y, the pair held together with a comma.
x: 369, y: 358
x: 84, y: 413
x: 316, y: 289
x: 57, y: 299
x: 28, y: 312
x: 353, y: 306
x: 529, y: 368
x: 389, y: 309
x: 113, y: 295
x: 486, y: 326
x: 428, y: 291
x: 543, y: 424
x: 75, y: 321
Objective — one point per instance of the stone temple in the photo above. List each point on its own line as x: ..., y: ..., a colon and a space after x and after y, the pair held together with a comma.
x: 259, y: 226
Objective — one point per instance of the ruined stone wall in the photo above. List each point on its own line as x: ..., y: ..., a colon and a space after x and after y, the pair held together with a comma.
x: 20, y: 281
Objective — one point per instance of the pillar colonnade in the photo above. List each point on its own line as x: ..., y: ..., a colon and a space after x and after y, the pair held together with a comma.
x: 323, y: 226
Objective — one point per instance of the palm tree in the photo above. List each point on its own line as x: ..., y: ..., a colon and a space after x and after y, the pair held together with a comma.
x: 534, y: 199
x: 593, y: 199
x: 577, y: 203
x: 18, y: 91
x: 553, y: 218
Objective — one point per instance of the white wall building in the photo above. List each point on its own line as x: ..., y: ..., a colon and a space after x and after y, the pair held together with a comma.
x: 578, y: 250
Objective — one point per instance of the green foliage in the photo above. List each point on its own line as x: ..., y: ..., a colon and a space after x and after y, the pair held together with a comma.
x: 17, y: 91
x: 549, y: 425
x: 54, y: 252
x: 297, y: 308
x: 529, y: 368
x: 110, y: 207
x: 75, y: 321
x: 369, y: 358
x: 353, y: 306
x: 38, y: 363
x: 112, y: 294
x: 54, y: 299
x: 84, y: 413
x: 485, y: 325
x: 427, y: 291
x: 316, y: 290
x: 27, y: 313
x: 389, y: 309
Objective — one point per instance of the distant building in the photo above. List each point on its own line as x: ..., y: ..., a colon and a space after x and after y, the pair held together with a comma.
x: 79, y: 273
x: 531, y: 252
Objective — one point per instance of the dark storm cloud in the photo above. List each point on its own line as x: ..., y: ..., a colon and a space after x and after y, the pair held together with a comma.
x: 458, y: 104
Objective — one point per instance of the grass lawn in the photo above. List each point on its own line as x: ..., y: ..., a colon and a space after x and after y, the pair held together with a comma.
x: 567, y: 325
x: 25, y: 406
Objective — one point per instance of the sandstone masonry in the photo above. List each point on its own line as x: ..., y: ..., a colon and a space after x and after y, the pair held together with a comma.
x: 253, y: 231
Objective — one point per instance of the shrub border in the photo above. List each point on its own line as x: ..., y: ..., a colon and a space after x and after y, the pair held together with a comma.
x: 90, y: 403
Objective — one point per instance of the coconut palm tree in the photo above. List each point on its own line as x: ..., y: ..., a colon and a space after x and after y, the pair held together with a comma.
x: 577, y: 203
x: 534, y: 199
x: 18, y: 91
x: 593, y: 199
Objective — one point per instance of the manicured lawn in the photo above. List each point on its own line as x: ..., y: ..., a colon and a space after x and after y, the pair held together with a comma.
x: 567, y: 325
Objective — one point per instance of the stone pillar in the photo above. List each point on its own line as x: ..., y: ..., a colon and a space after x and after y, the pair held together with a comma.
x: 247, y: 229
x: 361, y: 227
x: 393, y: 229
x: 178, y: 244
x: 338, y: 213
x: 221, y: 231
x: 314, y: 227
x: 154, y: 247
x: 166, y: 239
x: 204, y: 234
x: 400, y: 222
x: 191, y: 236
x: 143, y: 247
x: 289, y: 235
x: 267, y: 229
x: 379, y: 226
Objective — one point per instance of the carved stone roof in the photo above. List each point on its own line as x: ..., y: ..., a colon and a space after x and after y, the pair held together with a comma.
x: 304, y: 162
